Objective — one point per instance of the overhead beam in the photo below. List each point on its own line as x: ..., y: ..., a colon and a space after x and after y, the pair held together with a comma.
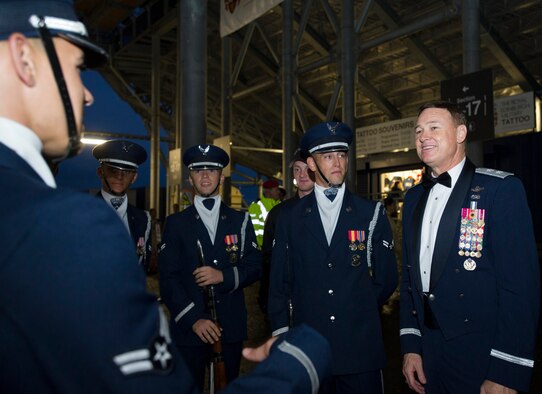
x: 378, y: 99
x: 392, y: 20
x: 508, y: 59
x: 312, y: 36
x: 312, y: 104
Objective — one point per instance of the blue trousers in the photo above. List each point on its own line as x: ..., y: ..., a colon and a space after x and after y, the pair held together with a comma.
x: 455, y: 366
x: 362, y: 383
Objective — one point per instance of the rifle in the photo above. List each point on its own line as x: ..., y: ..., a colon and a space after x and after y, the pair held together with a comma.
x: 217, y: 368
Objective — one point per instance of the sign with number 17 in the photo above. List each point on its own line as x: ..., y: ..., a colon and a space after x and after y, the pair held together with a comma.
x: 474, y: 94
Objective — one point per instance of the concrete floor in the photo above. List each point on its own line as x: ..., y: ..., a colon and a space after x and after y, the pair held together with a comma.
x: 258, y: 332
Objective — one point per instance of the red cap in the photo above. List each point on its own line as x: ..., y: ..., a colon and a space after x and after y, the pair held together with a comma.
x: 270, y: 183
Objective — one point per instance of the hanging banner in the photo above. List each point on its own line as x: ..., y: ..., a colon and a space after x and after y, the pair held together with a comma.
x: 234, y: 14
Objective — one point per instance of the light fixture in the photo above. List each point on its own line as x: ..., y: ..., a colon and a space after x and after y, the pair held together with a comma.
x: 92, y: 141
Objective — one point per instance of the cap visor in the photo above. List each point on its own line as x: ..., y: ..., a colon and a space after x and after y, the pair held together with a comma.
x: 94, y: 55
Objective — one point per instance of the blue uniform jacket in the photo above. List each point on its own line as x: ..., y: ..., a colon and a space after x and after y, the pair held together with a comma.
x: 75, y: 316
x: 179, y: 258
x: 499, y: 297
x: 334, y: 289
x: 139, y: 222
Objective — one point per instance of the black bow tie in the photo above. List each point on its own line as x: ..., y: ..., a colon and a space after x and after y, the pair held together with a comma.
x: 444, y: 179
x: 209, y: 203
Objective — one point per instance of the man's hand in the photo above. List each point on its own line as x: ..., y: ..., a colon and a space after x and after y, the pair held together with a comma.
x: 206, y: 276
x: 259, y: 353
x: 207, y: 330
x: 489, y: 387
x: 413, y: 372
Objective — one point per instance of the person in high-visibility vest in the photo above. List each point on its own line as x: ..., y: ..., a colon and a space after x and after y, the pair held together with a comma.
x: 259, y: 209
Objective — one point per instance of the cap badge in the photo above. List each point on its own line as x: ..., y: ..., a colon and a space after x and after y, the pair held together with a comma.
x: 332, y: 129
x: 126, y: 147
x: 203, y: 150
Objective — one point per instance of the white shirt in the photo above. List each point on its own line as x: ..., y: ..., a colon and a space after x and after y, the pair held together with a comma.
x: 28, y: 146
x: 209, y: 217
x: 121, y: 211
x: 436, y: 202
x: 329, y: 210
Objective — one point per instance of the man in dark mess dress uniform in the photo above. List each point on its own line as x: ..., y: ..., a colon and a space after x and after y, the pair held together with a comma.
x: 333, y: 262
x: 470, y: 291
x: 119, y: 161
x: 232, y: 262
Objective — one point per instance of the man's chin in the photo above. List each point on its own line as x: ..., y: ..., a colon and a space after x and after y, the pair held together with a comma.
x: 117, y: 191
x: 207, y: 191
x: 336, y: 180
x: 55, y: 154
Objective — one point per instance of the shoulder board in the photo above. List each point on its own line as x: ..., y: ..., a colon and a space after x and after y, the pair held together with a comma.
x: 492, y: 172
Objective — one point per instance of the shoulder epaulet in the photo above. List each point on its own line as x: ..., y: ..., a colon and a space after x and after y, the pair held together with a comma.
x: 492, y: 172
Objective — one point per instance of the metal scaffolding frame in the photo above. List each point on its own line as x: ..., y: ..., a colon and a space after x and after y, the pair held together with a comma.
x: 360, y: 62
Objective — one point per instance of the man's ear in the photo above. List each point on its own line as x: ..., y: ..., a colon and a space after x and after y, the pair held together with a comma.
x: 23, y: 56
x: 311, y: 163
x: 461, y: 132
x: 135, y: 179
x: 100, y: 172
x: 221, y: 180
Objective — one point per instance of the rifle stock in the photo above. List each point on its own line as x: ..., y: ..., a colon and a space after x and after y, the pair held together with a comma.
x: 217, y: 368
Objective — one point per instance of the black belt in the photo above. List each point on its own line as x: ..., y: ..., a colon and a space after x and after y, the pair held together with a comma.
x: 429, y: 319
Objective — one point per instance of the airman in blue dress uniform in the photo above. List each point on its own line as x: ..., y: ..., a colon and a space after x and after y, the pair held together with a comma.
x: 119, y: 161
x: 470, y: 290
x: 75, y: 314
x: 232, y: 262
x: 333, y: 262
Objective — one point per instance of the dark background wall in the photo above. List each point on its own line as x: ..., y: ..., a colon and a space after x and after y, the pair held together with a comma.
x: 522, y: 155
